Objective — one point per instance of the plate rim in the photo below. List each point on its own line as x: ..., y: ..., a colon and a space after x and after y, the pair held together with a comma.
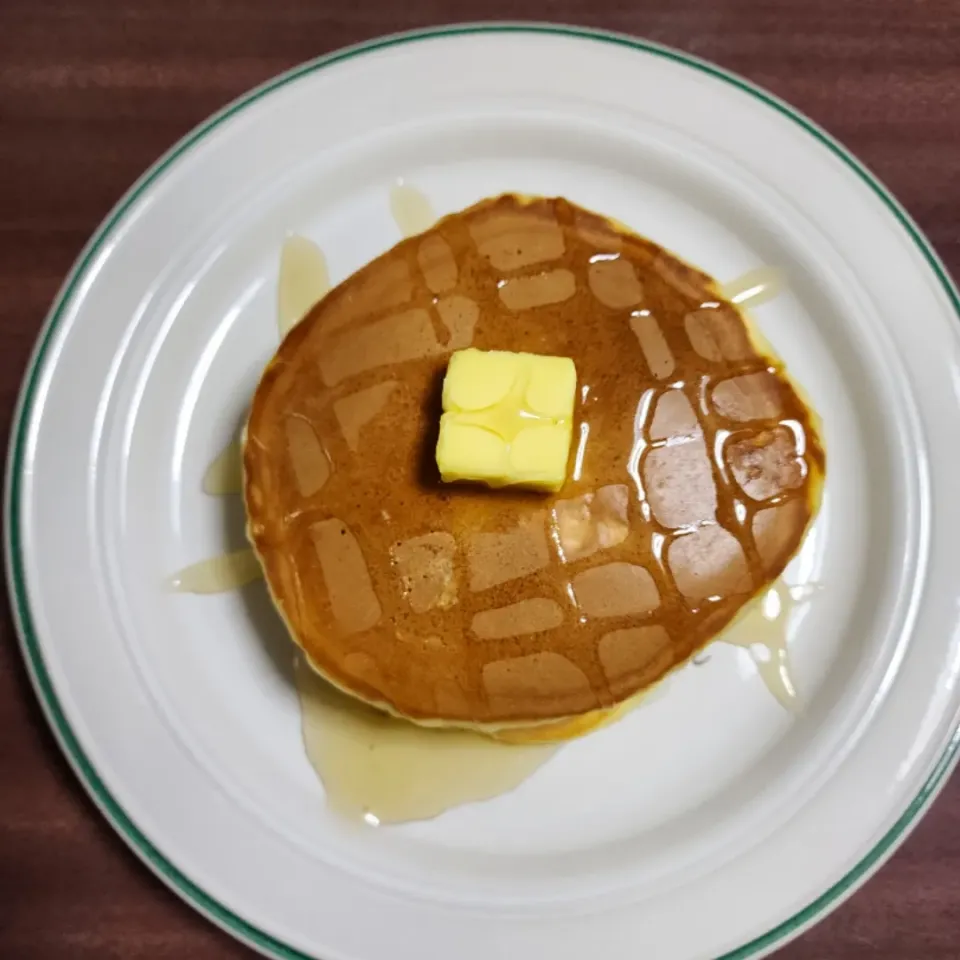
x: 24, y: 416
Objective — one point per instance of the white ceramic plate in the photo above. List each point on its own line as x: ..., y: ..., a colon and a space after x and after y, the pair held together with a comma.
x: 710, y: 823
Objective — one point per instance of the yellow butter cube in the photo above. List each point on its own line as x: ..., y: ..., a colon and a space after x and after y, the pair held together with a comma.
x: 507, y: 419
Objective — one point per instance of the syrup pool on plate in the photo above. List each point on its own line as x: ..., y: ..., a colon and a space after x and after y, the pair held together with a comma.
x: 387, y: 770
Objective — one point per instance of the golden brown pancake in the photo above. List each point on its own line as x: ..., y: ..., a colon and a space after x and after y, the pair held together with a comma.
x: 694, y: 473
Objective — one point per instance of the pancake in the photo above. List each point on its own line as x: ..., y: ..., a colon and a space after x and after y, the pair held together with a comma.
x: 695, y: 471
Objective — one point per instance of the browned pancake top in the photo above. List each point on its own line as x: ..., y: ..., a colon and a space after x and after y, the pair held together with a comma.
x: 693, y: 473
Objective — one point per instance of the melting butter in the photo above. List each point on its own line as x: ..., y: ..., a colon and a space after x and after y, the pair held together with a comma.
x: 304, y: 281
x: 218, y: 574
x: 411, y: 210
x: 383, y: 770
x: 754, y: 287
x: 761, y: 629
x: 225, y: 475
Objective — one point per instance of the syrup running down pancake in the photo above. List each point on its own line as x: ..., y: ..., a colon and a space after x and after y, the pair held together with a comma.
x: 694, y: 473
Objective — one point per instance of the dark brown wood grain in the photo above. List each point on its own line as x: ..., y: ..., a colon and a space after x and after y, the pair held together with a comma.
x: 92, y: 91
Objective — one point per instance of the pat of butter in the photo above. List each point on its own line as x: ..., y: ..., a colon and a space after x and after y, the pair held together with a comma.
x: 508, y: 419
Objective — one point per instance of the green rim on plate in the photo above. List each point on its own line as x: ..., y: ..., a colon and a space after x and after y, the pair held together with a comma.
x: 112, y: 810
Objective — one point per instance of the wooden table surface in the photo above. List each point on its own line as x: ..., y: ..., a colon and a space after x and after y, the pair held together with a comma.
x: 92, y: 91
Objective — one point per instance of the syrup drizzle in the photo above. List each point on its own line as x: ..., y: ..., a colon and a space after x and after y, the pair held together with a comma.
x: 411, y: 210
x: 754, y: 287
x: 228, y: 571
x: 304, y: 281
x: 763, y: 631
x: 225, y: 475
